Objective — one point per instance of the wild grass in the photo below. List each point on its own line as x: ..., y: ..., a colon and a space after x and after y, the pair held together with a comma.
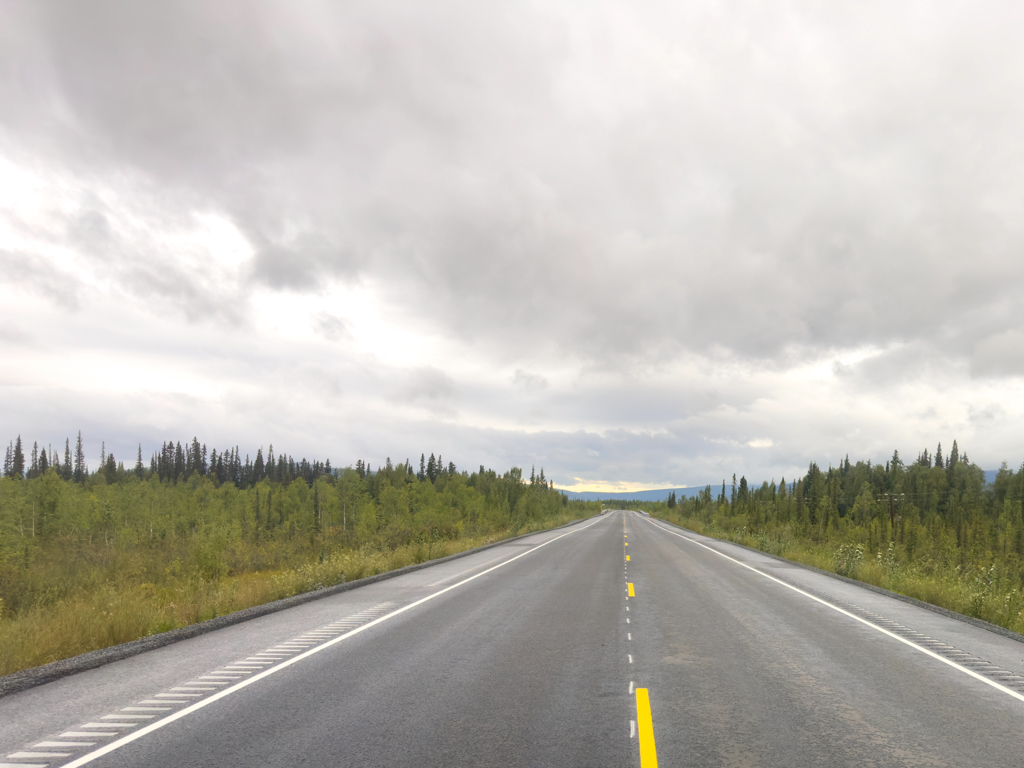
x: 108, y: 606
x: 987, y: 590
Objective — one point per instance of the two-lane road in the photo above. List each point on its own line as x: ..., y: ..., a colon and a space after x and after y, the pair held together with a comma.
x: 535, y: 653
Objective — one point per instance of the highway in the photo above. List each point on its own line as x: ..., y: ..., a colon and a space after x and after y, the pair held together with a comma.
x: 617, y: 641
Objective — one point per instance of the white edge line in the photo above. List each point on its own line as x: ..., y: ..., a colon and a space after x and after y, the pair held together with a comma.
x: 865, y: 622
x: 128, y: 738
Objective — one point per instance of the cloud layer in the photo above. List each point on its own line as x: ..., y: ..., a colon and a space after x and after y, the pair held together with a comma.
x: 645, y: 242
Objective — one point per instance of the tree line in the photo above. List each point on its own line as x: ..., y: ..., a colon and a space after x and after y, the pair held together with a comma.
x: 178, y: 463
x: 933, y: 528
x: 213, y: 514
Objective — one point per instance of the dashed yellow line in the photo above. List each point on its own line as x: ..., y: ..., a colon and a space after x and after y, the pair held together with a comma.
x: 645, y: 730
x: 631, y: 592
x: 627, y: 558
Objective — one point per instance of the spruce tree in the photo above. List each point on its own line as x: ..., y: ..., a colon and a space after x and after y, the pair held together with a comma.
x: 423, y: 468
x: 938, y: 457
x: 18, y: 463
x: 80, y: 469
x: 66, y: 469
x: 139, y: 469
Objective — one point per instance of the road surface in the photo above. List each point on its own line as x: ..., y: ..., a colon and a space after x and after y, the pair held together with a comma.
x: 618, y: 641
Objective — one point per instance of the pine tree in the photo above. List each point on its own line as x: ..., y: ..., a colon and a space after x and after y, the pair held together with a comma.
x: 80, y: 469
x: 66, y: 470
x: 33, y: 470
x: 938, y: 457
x: 18, y: 463
x: 196, y: 465
x: 432, y: 468
x: 9, y: 461
x: 44, y: 462
x: 258, y: 468
x: 179, y: 463
x: 423, y: 469
x: 139, y: 469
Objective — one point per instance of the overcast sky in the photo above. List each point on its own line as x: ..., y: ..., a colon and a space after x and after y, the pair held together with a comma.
x: 641, y: 244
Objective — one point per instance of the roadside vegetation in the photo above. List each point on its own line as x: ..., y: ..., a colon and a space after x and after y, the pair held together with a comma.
x: 93, y: 559
x: 933, y: 529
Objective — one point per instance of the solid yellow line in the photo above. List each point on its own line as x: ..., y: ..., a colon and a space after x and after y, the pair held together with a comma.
x: 627, y: 558
x: 645, y: 730
x: 631, y: 593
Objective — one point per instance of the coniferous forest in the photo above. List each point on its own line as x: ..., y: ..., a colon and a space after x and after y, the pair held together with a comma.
x: 89, y: 559
x: 932, y: 529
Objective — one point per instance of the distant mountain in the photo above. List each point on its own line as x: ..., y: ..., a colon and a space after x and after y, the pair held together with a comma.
x: 661, y: 494
x: 656, y: 495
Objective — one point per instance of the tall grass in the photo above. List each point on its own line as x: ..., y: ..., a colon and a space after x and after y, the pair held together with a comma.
x: 988, y: 590
x: 131, y: 608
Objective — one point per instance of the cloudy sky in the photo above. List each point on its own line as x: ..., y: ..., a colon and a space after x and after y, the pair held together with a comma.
x: 641, y: 244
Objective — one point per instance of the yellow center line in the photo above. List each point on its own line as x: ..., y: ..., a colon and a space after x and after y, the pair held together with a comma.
x: 627, y: 558
x: 645, y: 730
x: 631, y: 592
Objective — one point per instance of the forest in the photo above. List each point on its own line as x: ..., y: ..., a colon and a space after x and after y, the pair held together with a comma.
x: 932, y: 529
x: 90, y: 559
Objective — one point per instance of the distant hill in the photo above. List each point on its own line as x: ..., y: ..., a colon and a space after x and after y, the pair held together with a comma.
x: 660, y: 494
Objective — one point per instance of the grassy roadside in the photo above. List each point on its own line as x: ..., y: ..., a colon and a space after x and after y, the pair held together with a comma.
x: 983, y: 592
x: 130, y: 608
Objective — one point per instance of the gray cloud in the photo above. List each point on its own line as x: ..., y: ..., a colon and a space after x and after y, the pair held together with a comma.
x: 32, y: 273
x: 719, y: 203
x: 331, y: 327
x: 529, y: 381
x: 429, y: 387
x: 669, y: 205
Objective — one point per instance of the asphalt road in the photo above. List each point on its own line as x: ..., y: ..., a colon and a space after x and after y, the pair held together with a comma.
x: 535, y: 654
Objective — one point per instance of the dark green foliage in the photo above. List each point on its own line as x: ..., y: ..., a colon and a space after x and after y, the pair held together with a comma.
x: 18, y: 464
